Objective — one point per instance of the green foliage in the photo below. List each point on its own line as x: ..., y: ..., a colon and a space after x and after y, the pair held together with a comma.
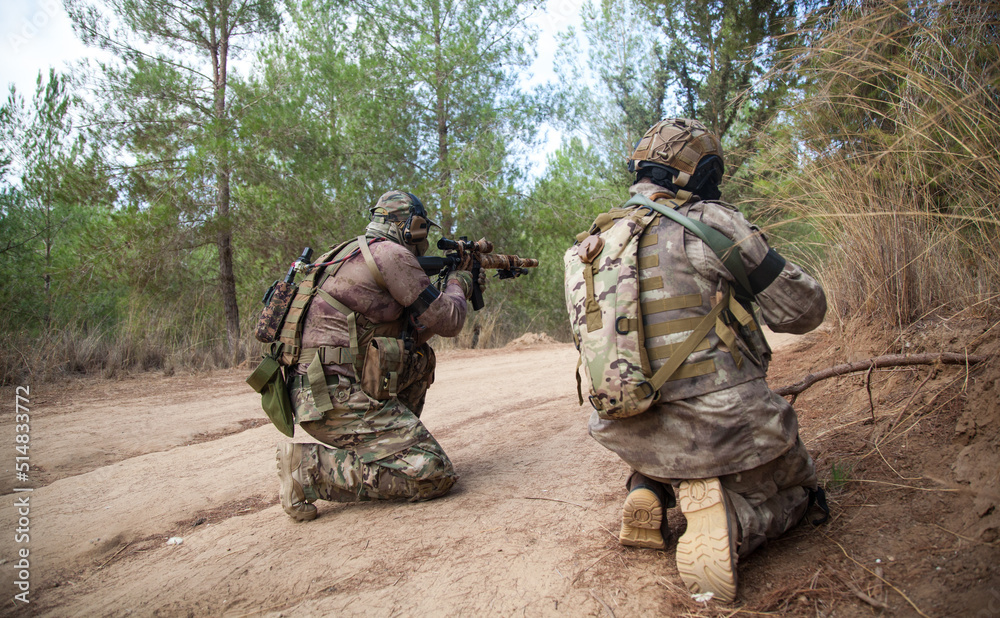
x: 166, y: 102
x: 840, y: 475
x: 52, y: 189
x: 564, y: 202
x: 711, y: 61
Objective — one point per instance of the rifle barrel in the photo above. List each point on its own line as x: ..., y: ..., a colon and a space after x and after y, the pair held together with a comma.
x: 506, y: 262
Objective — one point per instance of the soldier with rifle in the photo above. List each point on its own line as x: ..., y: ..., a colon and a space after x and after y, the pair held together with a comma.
x: 362, y: 364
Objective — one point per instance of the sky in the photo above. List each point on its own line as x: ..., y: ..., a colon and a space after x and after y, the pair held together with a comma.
x: 34, y: 35
x: 37, y: 34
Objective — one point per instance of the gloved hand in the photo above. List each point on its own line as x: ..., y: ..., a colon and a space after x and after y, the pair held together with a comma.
x: 464, y: 279
x: 482, y: 279
x: 466, y: 263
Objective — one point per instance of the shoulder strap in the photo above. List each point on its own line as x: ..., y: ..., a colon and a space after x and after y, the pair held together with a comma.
x: 370, y: 261
x: 724, y: 248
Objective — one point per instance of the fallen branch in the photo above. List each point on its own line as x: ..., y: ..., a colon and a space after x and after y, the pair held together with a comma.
x: 879, y: 362
x: 553, y: 500
x: 864, y: 597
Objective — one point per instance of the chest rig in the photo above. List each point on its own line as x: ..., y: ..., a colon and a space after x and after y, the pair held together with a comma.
x: 361, y: 330
x: 698, y: 334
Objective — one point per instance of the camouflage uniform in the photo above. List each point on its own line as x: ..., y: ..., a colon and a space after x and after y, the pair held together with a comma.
x: 375, y: 449
x: 725, y: 423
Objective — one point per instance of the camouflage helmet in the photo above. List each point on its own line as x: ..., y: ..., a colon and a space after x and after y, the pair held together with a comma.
x: 400, y: 216
x: 676, y: 149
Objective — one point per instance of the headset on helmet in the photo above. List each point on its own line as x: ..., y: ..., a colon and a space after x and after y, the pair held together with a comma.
x: 401, y: 216
x: 681, y: 152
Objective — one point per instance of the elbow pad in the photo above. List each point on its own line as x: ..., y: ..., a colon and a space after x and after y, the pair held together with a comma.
x: 766, y: 272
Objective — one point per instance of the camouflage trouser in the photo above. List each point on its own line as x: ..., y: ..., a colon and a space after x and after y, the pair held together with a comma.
x: 770, y: 499
x: 372, y: 450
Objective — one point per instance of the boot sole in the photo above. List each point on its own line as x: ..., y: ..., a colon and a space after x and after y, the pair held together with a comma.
x: 642, y: 516
x: 287, y: 494
x: 704, y: 551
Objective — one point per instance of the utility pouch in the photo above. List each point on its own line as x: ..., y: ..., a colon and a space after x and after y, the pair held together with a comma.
x: 382, y: 372
x: 267, y: 379
x: 277, y: 300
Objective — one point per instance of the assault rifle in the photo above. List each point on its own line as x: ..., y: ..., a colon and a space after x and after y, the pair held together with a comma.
x: 508, y: 266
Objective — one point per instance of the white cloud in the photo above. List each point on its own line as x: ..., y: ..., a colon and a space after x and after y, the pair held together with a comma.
x: 34, y: 36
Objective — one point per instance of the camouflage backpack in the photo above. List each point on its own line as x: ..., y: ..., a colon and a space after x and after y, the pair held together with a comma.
x: 602, y: 294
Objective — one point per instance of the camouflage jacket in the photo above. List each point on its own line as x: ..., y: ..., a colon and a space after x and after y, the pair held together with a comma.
x: 727, y: 420
x: 355, y: 286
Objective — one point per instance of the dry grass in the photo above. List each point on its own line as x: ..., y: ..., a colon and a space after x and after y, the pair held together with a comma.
x: 146, y: 339
x: 895, y: 159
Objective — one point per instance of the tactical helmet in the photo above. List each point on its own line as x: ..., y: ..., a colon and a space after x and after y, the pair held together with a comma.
x: 401, y: 217
x: 676, y: 150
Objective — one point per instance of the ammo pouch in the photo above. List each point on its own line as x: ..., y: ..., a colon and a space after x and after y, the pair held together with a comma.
x: 268, y: 380
x: 382, y: 372
x: 276, y: 303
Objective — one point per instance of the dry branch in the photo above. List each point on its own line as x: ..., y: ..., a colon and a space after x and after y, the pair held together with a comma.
x: 879, y: 362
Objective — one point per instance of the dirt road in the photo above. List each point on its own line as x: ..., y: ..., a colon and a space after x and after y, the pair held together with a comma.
x: 118, y: 468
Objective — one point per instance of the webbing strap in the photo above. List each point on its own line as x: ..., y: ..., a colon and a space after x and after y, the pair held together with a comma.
x: 317, y: 384
x: 626, y: 325
x: 650, y: 283
x: 352, y: 318
x: 649, y: 261
x: 741, y: 314
x: 693, y: 370
x: 370, y: 261
x: 672, y: 327
x: 329, y: 355
x: 669, y: 304
x: 723, y: 247
x: 594, y: 322
x: 674, y: 362
x: 667, y: 350
x: 727, y: 337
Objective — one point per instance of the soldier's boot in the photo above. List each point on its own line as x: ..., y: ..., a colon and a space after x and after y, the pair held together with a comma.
x: 706, y: 552
x: 644, y: 514
x: 293, y: 497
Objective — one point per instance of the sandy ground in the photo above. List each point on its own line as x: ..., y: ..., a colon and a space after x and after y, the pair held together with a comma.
x: 120, y: 467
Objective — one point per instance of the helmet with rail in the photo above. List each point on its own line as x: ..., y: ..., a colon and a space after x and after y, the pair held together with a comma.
x: 680, y: 152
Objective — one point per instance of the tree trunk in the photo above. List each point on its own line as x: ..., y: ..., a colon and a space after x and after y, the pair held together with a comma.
x: 227, y: 277
x: 447, y: 214
x: 47, y: 318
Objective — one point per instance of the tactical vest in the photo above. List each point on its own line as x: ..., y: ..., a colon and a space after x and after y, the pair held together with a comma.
x: 361, y: 330
x: 674, y: 298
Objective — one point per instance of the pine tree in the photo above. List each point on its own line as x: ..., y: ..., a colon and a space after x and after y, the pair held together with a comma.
x: 169, y: 105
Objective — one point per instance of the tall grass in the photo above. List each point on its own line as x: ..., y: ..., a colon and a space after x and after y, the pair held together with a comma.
x: 896, y: 160
x: 147, y: 337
